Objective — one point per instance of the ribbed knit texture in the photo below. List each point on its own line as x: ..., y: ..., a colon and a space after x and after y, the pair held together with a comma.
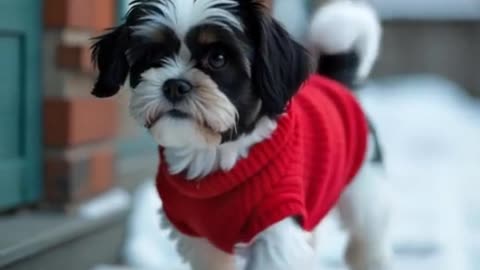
x: 301, y: 171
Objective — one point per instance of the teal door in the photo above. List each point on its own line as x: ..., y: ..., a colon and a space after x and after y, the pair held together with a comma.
x: 20, y: 91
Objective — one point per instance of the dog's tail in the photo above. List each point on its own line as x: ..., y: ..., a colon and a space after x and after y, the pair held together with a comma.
x: 347, y: 36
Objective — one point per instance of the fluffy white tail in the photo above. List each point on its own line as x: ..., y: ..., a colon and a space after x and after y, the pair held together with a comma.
x: 347, y: 33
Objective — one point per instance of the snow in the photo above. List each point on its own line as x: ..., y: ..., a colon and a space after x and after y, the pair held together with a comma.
x: 111, y: 202
x: 430, y: 131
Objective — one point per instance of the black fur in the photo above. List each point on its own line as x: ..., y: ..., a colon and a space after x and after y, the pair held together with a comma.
x: 340, y: 67
x: 146, y: 54
x: 108, y: 54
x: 377, y: 156
x: 280, y: 64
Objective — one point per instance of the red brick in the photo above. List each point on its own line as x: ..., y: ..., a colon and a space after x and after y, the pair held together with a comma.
x: 75, y: 121
x: 70, y: 179
x: 54, y: 13
x: 83, y: 14
x: 56, y: 180
x: 105, y: 14
x: 101, y: 170
x: 76, y: 58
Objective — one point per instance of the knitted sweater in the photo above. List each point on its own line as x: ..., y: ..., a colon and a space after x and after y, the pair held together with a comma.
x: 300, y: 171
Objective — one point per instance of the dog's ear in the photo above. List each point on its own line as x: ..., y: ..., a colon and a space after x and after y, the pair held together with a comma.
x: 280, y: 64
x: 109, y: 56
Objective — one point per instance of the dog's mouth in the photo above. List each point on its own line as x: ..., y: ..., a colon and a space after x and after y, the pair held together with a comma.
x: 177, y: 114
x: 174, y: 113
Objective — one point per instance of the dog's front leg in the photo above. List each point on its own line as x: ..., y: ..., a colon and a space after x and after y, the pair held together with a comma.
x: 202, y: 255
x: 198, y: 252
x: 283, y: 246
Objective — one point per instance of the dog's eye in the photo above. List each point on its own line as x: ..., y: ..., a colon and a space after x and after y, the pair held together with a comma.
x: 216, y: 59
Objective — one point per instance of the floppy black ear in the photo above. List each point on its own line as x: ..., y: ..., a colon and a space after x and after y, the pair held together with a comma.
x: 108, y: 54
x: 280, y: 65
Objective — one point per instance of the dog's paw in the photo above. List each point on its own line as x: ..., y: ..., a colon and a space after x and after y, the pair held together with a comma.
x: 362, y: 257
x: 286, y: 256
x: 283, y: 246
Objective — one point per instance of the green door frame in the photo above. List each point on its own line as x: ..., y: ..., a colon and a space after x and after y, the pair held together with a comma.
x: 21, y: 173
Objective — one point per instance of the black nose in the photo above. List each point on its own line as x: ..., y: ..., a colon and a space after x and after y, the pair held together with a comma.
x: 176, y: 89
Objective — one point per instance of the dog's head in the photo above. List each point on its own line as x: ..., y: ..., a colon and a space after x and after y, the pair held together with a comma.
x: 200, y: 71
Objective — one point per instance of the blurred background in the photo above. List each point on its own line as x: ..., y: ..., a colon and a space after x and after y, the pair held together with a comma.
x: 74, y: 171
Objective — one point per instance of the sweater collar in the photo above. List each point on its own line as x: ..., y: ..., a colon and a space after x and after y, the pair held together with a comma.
x: 260, y: 155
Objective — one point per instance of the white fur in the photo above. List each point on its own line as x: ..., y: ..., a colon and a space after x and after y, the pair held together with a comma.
x: 178, y: 133
x: 283, y: 246
x: 199, y: 159
x: 183, y: 15
x: 347, y: 25
x: 202, y: 255
x: 208, y: 104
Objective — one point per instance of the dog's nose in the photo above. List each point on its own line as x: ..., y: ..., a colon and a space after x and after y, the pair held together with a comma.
x: 176, y: 89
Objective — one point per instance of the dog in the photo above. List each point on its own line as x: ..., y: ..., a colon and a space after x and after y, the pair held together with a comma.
x: 244, y: 116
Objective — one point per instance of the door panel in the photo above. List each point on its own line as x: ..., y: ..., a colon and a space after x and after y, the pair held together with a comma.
x: 20, y: 114
x: 10, y: 98
x: 11, y: 173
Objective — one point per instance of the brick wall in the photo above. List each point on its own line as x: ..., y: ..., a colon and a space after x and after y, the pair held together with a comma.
x: 79, y: 130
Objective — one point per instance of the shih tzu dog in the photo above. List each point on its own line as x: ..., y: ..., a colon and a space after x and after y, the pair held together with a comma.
x: 254, y: 148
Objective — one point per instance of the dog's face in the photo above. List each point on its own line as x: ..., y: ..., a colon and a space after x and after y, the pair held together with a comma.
x: 201, y: 72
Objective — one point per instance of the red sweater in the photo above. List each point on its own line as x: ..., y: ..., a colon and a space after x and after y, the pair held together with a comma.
x: 301, y: 171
